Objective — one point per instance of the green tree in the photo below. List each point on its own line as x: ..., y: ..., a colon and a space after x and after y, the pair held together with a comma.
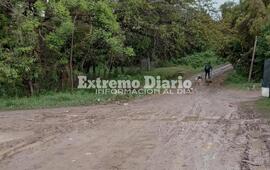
x: 244, y: 22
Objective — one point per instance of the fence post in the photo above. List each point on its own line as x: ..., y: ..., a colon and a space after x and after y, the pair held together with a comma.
x: 269, y: 89
x: 252, y: 61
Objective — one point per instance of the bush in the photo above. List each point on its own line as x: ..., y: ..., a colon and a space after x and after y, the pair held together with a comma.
x: 236, y: 78
x: 240, y: 81
x: 198, y: 60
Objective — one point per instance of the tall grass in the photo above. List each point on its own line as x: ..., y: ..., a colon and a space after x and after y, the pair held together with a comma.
x: 60, y: 99
x: 188, y: 66
x: 88, y: 97
x: 239, y: 81
x: 263, y: 106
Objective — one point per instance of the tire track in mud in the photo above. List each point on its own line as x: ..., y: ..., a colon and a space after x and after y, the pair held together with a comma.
x: 46, y: 132
x: 257, y: 132
x: 201, y: 131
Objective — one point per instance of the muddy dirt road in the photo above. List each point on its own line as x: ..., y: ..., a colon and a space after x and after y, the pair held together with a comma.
x: 206, y: 131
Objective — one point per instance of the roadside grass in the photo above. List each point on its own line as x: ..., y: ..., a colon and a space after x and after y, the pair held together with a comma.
x: 263, y: 107
x: 60, y: 99
x: 185, y: 67
x: 89, y: 97
x: 237, y: 81
x: 173, y: 72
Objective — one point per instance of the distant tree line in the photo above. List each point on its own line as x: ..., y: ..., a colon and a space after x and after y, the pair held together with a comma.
x: 46, y: 44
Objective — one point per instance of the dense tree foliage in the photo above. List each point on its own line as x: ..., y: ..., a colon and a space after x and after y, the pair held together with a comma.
x: 241, y: 24
x: 45, y: 44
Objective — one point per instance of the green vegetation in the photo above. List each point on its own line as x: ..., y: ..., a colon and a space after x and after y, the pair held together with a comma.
x: 89, y: 97
x: 263, y: 106
x: 198, y: 60
x: 45, y: 45
x: 241, y: 23
x: 60, y: 99
x: 240, y: 81
x: 168, y: 72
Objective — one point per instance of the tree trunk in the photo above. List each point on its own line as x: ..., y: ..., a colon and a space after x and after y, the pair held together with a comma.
x: 31, y: 88
x: 110, y: 69
x: 152, y: 55
x: 71, y: 56
x: 94, y: 70
x: 122, y: 69
x: 110, y: 65
x: 148, y: 63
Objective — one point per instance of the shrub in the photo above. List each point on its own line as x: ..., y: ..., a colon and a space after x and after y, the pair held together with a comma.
x: 198, y: 60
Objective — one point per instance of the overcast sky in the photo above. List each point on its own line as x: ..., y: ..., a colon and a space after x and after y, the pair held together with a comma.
x: 220, y: 2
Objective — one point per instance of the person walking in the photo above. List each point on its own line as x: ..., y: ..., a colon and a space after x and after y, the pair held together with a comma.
x: 208, y: 70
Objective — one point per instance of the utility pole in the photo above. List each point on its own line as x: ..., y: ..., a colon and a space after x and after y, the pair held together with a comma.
x: 253, y: 58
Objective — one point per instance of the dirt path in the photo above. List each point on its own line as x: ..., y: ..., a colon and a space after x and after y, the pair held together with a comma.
x: 207, y: 130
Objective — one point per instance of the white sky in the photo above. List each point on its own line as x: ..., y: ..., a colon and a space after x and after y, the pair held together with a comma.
x: 220, y: 2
